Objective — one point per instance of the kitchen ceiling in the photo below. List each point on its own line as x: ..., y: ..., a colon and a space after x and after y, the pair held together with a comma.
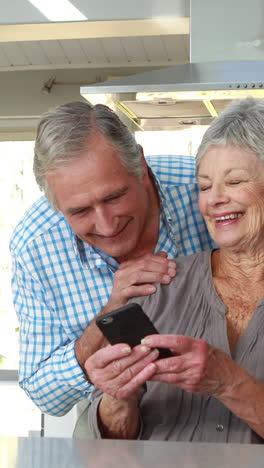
x: 146, y: 33
x: 166, y: 34
x: 22, y: 11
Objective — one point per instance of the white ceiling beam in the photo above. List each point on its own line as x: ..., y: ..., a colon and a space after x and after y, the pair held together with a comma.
x: 93, y: 29
x: 97, y: 65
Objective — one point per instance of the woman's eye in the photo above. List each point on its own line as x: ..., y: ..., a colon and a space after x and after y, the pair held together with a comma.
x: 203, y: 188
x: 234, y: 182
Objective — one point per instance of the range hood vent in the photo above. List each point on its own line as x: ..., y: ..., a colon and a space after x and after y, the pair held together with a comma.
x: 184, y: 95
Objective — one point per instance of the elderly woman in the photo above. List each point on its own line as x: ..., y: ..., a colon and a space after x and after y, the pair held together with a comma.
x: 211, y: 315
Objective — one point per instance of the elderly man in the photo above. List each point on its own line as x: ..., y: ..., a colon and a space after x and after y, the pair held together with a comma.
x: 106, y: 230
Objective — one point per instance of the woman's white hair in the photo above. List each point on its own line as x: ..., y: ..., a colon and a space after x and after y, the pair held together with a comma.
x: 240, y: 124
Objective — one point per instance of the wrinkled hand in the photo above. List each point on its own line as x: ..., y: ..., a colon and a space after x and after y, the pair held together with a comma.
x: 135, y: 277
x: 120, y: 371
x: 197, y: 367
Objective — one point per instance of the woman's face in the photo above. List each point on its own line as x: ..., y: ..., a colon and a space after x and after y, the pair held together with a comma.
x: 231, y: 199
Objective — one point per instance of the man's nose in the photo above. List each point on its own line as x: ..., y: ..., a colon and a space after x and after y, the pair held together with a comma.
x: 105, y: 222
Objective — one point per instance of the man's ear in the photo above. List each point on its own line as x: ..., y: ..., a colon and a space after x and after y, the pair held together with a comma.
x: 146, y: 177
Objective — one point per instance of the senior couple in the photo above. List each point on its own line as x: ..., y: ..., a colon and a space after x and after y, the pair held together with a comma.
x: 210, y: 315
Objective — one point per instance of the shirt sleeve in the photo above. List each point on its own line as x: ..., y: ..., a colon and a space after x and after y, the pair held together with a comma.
x: 48, y: 370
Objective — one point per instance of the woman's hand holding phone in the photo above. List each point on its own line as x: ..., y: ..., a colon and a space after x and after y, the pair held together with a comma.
x: 120, y: 371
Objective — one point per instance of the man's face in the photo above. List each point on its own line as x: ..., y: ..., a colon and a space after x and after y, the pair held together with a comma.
x: 105, y: 205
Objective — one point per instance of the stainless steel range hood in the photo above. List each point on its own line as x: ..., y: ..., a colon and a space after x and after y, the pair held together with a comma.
x: 184, y: 95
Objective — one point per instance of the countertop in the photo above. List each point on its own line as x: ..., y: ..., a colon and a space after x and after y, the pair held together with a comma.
x: 38, y: 452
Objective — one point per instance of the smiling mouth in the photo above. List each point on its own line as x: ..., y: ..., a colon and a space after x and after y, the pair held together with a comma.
x: 229, y: 217
x: 114, y: 235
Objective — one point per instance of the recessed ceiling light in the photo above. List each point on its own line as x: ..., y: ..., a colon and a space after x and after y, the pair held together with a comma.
x: 58, y: 10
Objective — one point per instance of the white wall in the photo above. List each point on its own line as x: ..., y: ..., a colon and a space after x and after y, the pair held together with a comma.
x: 60, y: 426
x: 22, y: 99
x: 227, y: 30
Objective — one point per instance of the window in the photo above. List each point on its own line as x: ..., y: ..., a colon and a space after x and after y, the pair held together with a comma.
x: 19, y: 417
x: 18, y: 189
x: 179, y: 142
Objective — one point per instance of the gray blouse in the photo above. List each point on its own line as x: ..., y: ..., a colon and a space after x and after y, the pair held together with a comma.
x: 190, y: 306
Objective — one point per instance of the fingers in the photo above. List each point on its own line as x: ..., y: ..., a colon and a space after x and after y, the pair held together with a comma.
x: 120, y: 371
x: 128, y: 389
x: 180, y: 372
x: 194, y: 367
x: 162, y: 254
x: 136, y: 277
x: 179, y: 344
x: 152, y: 263
x: 106, y: 355
x: 191, y: 356
x: 125, y: 384
x: 144, y: 272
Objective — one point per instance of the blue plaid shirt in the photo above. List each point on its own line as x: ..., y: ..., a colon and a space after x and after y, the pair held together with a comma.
x: 60, y: 283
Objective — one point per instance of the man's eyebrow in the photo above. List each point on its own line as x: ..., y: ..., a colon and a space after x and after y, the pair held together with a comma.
x: 115, y: 193
x: 77, y: 209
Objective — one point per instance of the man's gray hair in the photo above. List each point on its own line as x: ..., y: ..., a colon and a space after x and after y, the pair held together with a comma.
x: 240, y: 124
x: 64, y: 132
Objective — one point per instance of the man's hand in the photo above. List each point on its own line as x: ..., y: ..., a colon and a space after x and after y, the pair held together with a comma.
x: 136, y: 277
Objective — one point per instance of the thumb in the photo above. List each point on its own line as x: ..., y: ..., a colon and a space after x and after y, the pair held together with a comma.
x: 162, y: 254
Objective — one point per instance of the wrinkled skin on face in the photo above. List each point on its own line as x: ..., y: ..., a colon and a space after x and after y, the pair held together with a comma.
x: 105, y: 205
x: 231, y: 198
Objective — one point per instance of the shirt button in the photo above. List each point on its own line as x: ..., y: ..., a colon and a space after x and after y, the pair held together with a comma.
x: 169, y: 219
x: 219, y: 427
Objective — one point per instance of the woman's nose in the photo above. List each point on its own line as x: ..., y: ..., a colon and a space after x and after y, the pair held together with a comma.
x: 217, y: 195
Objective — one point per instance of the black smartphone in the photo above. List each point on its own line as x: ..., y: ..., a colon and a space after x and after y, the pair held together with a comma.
x: 128, y: 324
